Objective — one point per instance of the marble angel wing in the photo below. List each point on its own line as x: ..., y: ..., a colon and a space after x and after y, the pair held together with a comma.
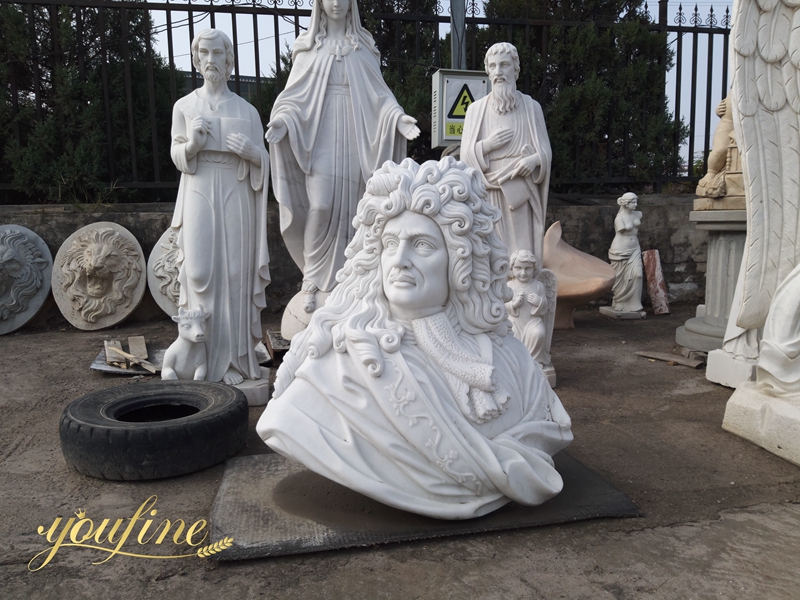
x: 766, y: 113
x: 548, y: 278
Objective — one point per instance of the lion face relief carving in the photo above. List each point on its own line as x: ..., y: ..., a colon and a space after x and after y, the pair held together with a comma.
x: 101, y: 270
x: 166, y: 268
x: 21, y: 272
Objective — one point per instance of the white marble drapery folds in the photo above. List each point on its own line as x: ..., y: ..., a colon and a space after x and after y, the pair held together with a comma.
x: 403, y: 439
x: 342, y: 123
x: 407, y: 385
x: 221, y: 220
x: 778, y: 367
x: 629, y: 273
x: 522, y: 200
x: 625, y: 255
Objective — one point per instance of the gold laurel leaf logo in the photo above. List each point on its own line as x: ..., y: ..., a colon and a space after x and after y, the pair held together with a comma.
x: 215, y: 548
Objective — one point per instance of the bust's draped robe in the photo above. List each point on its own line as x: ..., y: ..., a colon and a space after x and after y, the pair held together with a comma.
x: 342, y: 121
x: 221, y: 221
x: 522, y: 200
x: 403, y: 439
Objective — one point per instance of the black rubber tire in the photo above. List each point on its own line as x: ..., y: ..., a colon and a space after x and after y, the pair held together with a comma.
x: 95, y: 442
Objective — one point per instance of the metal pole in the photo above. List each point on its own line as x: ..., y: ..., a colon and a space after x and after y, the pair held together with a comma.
x: 458, y: 37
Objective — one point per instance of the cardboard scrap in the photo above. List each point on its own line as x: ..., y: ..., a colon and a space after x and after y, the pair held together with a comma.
x: 137, y: 361
x: 111, y: 357
x: 137, y: 346
x: 116, y: 357
x: 672, y: 358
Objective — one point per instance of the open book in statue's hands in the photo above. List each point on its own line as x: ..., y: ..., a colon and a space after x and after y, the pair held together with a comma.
x: 516, y: 189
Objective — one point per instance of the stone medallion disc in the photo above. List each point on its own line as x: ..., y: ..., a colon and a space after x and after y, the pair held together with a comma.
x: 162, y: 273
x: 99, y: 276
x: 25, y: 269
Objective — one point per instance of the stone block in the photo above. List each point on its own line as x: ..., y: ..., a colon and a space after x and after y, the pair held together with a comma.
x: 768, y: 421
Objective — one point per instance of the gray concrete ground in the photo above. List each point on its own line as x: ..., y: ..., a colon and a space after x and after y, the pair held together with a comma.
x: 722, y: 516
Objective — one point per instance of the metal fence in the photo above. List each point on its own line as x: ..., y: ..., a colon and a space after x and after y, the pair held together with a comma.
x: 98, y: 36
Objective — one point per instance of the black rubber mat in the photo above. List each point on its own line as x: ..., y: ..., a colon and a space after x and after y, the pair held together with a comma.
x: 272, y: 506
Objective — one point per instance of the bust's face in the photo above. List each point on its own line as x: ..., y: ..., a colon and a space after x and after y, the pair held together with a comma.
x: 336, y: 10
x: 523, y: 271
x: 414, y: 265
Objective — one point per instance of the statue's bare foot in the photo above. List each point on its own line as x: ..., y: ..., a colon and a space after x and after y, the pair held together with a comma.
x: 309, y: 296
x: 309, y: 302
x: 232, y: 377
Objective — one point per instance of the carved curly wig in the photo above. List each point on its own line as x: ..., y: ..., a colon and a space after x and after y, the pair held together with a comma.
x: 357, y: 310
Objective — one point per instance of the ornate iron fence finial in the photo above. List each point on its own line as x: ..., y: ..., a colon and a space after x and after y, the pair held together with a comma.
x: 680, y: 18
x: 696, y: 19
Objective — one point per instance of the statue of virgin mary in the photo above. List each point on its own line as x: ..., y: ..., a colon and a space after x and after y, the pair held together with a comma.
x: 331, y: 128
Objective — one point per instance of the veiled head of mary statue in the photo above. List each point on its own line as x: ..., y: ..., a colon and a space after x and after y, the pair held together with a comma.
x: 336, y: 10
x: 424, y: 243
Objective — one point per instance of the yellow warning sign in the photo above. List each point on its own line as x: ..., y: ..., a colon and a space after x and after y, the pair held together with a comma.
x: 454, y: 128
x: 460, y: 106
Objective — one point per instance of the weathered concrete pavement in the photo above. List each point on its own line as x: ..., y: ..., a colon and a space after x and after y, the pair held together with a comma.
x: 722, y: 516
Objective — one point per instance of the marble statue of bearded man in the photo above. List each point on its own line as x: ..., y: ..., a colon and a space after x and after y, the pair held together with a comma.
x: 505, y: 138
x: 407, y: 386
x: 221, y: 211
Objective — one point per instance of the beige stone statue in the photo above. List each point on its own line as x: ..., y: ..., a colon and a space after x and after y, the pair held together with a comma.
x: 722, y: 187
x: 712, y: 185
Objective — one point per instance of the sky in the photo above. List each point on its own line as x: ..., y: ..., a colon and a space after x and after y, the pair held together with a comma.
x: 286, y: 35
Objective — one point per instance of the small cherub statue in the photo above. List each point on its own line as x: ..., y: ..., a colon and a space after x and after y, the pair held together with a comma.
x: 532, y: 309
x: 186, y: 358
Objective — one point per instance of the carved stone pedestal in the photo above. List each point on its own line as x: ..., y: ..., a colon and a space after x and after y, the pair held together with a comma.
x: 768, y: 421
x: 729, y: 370
x: 726, y: 235
x: 295, y: 318
x: 607, y: 311
x: 257, y: 391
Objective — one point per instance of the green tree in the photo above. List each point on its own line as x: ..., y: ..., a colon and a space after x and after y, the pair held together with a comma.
x: 409, y: 55
x: 601, y: 84
x: 57, y: 149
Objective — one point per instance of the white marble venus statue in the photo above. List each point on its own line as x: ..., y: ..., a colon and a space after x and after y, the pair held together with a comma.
x: 625, y: 255
x: 334, y: 124
x: 407, y: 386
x: 505, y: 138
x: 220, y: 215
